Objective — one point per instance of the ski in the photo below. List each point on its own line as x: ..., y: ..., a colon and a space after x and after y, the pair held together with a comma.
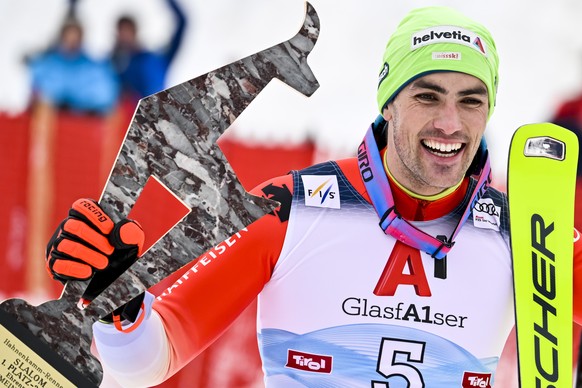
x: 541, y: 187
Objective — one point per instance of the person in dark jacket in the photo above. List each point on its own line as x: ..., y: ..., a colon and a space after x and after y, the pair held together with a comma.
x: 143, y: 72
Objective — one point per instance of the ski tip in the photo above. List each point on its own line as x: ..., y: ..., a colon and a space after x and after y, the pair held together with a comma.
x: 545, y: 140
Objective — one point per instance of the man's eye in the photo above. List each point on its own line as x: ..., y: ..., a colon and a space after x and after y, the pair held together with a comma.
x: 426, y: 97
x: 472, y: 101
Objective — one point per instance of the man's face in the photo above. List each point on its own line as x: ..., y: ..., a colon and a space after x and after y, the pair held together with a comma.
x: 71, y: 39
x: 435, y: 128
x: 126, y: 34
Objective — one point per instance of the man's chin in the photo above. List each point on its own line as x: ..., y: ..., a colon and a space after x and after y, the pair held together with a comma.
x: 443, y: 184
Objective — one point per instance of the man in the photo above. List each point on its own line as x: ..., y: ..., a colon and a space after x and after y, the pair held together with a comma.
x: 143, y: 72
x: 422, y: 299
x: 57, y: 73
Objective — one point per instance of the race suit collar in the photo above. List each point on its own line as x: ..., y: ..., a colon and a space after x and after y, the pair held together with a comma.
x: 418, y: 208
x: 383, y: 198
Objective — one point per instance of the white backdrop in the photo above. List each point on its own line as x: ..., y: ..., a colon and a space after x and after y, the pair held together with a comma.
x: 539, y: 43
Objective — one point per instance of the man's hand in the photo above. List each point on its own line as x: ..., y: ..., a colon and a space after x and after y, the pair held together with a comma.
x: 89, y: 242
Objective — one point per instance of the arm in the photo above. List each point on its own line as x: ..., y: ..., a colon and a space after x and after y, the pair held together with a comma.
x: 178, y: 35
x: 200, y: 305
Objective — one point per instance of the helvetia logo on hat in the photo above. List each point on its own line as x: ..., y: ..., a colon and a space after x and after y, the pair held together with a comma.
x: 447, y: 34
x: 479, y: 44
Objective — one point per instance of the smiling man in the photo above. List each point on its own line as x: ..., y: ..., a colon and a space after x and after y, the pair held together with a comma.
x: 392, y: 268
x: 437, y: 123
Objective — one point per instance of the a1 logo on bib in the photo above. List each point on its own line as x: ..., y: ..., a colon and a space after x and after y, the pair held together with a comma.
x: 321, y: 191
x: 486, y: 214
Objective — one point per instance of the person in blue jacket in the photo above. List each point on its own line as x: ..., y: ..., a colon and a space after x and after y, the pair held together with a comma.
x: 66, y: 77
x: 143, y: 72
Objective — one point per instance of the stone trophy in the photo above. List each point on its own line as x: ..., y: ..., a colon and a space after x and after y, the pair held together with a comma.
x: 171, y: 140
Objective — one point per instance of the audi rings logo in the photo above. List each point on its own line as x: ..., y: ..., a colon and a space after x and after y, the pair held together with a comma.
x: 488, y: 208
x: 486, y: 215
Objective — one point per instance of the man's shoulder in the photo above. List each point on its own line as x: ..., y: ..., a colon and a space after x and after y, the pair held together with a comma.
x: 347, y: 168
x: 335, y: 176
x: 491, y: 211
x: 341, y: 175
x: 496, y: 194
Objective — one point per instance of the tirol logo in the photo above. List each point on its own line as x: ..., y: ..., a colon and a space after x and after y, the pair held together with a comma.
x: 476, y: 380
x: 308, y: 362
x: 321, y: 191
x: 448, y: 34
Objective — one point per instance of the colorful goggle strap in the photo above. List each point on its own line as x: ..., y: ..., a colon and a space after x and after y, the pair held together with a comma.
x: 378, y: 187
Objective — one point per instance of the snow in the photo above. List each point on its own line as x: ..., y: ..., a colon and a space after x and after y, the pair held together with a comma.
x: 538, y: 43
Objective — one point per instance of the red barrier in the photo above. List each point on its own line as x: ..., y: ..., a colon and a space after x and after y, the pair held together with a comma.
x: 13, y: 214
x: 71, y: 158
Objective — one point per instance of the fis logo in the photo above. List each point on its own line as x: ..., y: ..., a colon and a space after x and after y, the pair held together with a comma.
x: 448, y: 34
x: 321, y: 191
x: 476, y: 380
x: 308, y: 362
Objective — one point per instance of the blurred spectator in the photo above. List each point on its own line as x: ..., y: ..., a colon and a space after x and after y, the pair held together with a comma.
x: 66, y: 77
x: 569, y: 115
x: 143, y: 72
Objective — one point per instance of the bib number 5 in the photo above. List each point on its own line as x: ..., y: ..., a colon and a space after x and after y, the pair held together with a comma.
x: 389, y: 367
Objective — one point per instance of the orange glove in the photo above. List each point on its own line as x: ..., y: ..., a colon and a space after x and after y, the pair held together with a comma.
x: 89, y: 242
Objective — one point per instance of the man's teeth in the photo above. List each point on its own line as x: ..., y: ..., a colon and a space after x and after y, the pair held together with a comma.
x: 442, y: 147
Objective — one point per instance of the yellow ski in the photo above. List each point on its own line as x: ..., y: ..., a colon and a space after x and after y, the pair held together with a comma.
x: 541, y: 187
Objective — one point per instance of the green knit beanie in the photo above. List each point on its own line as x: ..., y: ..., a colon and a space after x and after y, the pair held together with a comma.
x: 435, y: 39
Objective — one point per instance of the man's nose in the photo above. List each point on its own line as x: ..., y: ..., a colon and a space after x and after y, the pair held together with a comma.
x: 448, y: 119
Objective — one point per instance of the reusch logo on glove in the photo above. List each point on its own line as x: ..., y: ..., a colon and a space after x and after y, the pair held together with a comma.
x: 94, y: 209
x: 448, y: 34
x: 308, y: 362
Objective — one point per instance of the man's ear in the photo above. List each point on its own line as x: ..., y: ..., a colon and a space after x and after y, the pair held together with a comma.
x: 387, y: 112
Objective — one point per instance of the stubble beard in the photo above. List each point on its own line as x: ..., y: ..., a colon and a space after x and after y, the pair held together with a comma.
x: 416, y: 177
